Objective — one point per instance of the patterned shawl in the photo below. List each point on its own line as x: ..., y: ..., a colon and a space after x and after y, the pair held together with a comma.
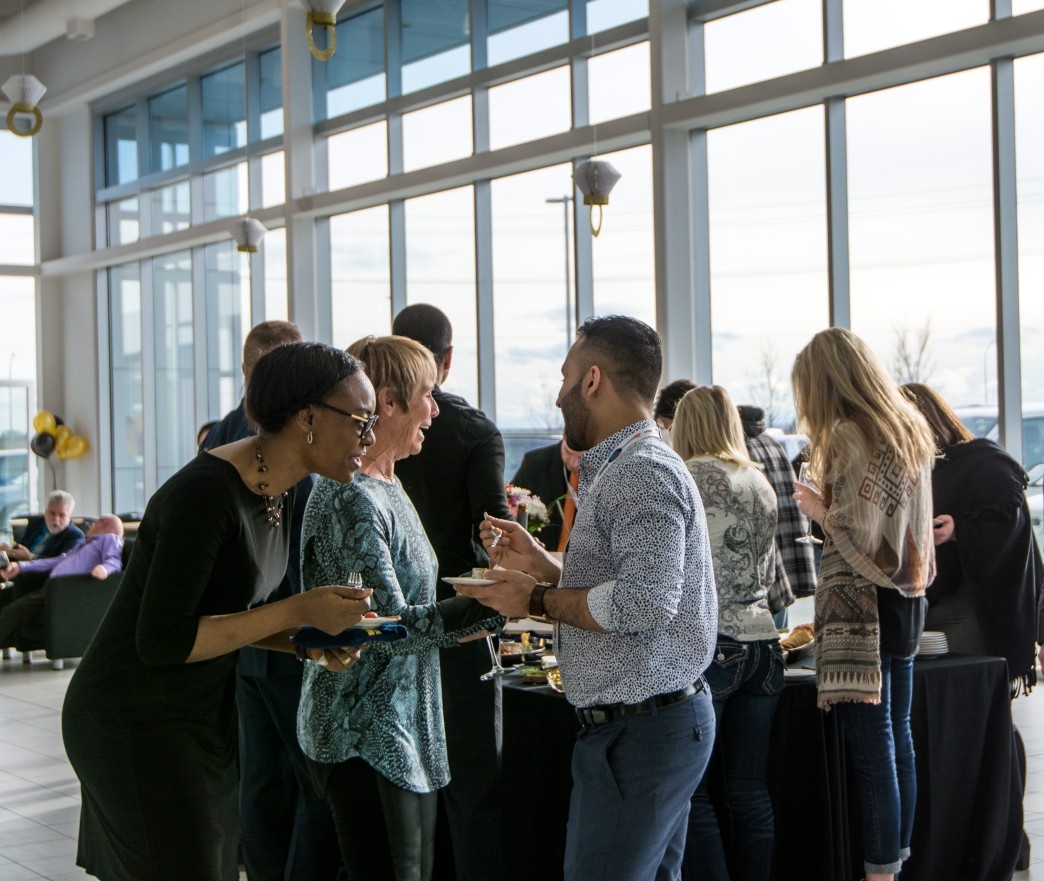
x: 880, y: 522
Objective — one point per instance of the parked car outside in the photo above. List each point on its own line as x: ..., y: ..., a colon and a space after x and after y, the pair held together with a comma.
x: 1035, y: 498
x: 981, y: 420
x: 14, y: 485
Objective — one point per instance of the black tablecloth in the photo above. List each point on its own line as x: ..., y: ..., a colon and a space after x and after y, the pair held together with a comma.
x: 969, y: 807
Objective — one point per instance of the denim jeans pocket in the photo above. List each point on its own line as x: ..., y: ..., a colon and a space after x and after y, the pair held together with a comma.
x: 774, y: 666
x: 728, y: 668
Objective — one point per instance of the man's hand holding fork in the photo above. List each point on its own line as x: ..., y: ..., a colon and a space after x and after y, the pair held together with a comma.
x: 517, y: 561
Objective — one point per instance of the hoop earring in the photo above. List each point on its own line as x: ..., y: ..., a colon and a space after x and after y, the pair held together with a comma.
x: 310, y: 438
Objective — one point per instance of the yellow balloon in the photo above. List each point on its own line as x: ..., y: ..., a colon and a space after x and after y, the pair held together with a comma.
x: 43, y: 422
x: 76, y: 447
x: 61, y: 443
x: 61, y: 434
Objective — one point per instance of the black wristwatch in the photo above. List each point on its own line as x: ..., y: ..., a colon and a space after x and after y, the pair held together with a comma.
x: 536, y: 602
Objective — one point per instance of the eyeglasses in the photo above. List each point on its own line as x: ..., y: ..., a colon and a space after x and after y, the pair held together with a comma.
x: 366, y: 423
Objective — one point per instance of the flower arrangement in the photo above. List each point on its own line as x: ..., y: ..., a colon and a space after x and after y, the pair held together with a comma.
x: 536, y: 509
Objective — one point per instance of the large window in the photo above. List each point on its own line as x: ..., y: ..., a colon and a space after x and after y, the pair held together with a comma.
x: 921, y: 231
x: 519, y: 27
x: 1029, y: 81
x: 871, y: 25
x: 532, y: 306
x: 360, y: 275
x: 168, y: 129
x: 121, y: 147
x: 783, y: 183
x: 746, y: 47
x: 768, y: 254
x: 228, y: 322
x: 354, y: 76
x: 358, y: 155
x: 624, y: 274
x: 125, y: 376
x: 224, y: 110
x: 175, y: 374
x: 435, y: 44
x: 440, y: 269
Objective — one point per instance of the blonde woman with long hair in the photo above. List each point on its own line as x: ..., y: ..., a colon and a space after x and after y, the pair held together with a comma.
x: 746, y: 675
x: 872, y: 454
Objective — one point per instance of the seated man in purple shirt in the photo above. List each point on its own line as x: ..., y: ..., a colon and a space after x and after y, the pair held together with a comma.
x: 99, y: 556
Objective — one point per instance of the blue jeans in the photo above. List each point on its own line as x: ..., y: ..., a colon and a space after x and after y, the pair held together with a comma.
x: 632, y: 782
x: 746, y: 679
x: 881, y: 747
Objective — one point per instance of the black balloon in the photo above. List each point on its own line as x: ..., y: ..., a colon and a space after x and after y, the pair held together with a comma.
x: 42, y: 445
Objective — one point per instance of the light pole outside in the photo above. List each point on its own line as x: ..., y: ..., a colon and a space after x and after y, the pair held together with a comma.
x: 570, y: 308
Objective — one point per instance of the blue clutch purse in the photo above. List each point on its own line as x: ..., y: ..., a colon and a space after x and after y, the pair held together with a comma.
x: 314, y: 638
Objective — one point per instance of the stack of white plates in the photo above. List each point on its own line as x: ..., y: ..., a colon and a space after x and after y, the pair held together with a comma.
x: 932, y: 644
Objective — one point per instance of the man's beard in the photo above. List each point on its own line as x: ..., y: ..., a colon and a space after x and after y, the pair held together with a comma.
x: 576, y: 414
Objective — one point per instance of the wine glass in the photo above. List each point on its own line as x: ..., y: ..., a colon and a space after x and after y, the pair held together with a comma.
x: 494, y: 654
x: 805, y: 480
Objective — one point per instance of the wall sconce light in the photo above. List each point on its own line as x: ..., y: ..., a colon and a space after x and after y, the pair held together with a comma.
x: 595, y: 178
x: 24, y: 91
x: 248, y: 233
x: 324, y: 13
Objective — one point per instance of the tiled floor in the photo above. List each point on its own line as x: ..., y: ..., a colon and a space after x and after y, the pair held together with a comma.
x: 40, y: 798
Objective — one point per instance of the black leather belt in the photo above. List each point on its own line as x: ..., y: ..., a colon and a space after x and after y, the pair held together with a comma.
x: 611, y: 712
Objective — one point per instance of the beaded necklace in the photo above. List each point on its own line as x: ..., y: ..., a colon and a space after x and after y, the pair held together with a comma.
x: 273, y: 504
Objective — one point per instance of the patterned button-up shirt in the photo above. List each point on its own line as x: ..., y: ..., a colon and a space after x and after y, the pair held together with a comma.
x: 640, y: 543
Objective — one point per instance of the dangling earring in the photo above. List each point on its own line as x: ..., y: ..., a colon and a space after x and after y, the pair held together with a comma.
x: 310, y: 438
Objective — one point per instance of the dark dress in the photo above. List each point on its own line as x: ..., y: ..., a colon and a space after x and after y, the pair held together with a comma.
x: 153, y: 739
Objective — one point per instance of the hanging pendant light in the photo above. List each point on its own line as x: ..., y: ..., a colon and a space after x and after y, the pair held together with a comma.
x: 248, y: 233
x: 595, y: 178
x: 323, y: 13
x: 24, y: 91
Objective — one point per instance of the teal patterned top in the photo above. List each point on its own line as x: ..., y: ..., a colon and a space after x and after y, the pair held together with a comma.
x: 387, y: 708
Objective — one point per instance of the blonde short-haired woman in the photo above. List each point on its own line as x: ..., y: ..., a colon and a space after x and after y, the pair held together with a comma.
x: 746, y: 675
x: 373, y: 736
x: 872, y: 454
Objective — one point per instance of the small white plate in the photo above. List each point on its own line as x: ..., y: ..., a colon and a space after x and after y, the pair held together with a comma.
x: 471, y: 582
x: 370, y: 623
x: 795, y: 674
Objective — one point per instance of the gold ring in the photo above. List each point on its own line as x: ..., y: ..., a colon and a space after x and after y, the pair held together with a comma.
x: 327, y: 20
x: 31, y: 109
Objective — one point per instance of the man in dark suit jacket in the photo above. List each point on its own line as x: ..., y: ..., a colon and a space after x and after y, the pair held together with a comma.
x: 49, y: 535
x: 287, y: 829
x: 544, y: 472
x: 456, y: 477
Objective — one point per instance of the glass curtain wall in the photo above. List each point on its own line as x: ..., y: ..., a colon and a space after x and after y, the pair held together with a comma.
x: 173, y: 340
x: 18, y: 306
x: 445, y: 144
x: 768, y: 254
x: 127, y: 390
x: 921, y: 232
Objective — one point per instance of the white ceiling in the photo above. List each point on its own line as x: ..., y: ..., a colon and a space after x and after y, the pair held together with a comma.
x: 13, y: 7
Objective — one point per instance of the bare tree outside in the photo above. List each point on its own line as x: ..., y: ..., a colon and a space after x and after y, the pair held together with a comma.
x: 913, y: 354
x: 767, y: 389
x: 543, y: 413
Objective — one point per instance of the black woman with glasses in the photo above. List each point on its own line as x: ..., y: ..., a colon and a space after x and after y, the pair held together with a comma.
x: 286, y: 829
x: 149, y: 716
x: 373, y: 735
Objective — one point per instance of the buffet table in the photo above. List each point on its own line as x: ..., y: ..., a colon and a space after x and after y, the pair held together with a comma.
x: 969, y: 807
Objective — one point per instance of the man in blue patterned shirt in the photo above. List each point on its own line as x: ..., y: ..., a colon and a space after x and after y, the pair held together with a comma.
x: 636, y: 611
